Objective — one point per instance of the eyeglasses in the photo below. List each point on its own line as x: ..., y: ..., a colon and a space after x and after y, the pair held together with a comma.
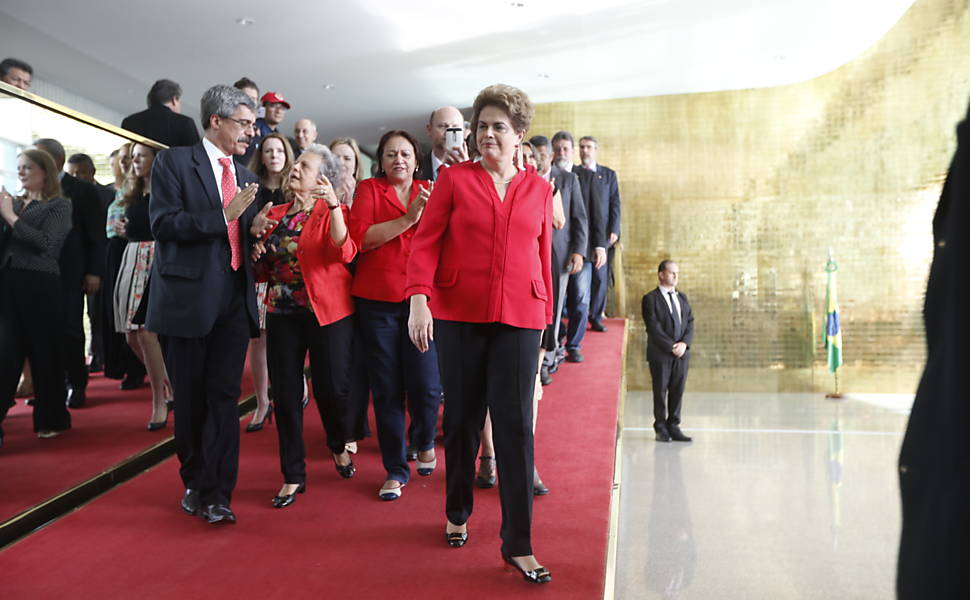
x: 244, y: 123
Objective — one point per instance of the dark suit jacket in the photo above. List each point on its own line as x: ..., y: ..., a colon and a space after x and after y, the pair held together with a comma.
x: 660, y: 326
x: 609, y: 192
x: 84, y: 248
x: 572, y: 238
x: 596, y: 216
x: 159, y: 123
x: 192, y: 251
x: 424, y: 169
x: 935, y: 452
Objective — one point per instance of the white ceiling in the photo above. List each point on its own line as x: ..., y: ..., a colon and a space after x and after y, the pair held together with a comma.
x: 392, y: 62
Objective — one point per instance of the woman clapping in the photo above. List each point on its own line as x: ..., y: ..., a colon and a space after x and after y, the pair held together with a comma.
x: 303, y: 258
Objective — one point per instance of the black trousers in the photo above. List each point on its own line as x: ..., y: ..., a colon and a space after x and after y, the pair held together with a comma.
x: 490, y: 366
x: 355, y: 417
x: 288, y: 339
x: 206, y: 373
x: 669, y: 378
x: 31, y: 327
x: 72, y: 335
x: 397, y: 370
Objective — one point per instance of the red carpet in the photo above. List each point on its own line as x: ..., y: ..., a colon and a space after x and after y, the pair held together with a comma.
x: 339, y: 540
x: 108, y: 429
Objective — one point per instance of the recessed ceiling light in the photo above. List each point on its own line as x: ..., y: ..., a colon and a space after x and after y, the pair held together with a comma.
x: 329, y: 86
x: 517, y: 4
x: 245, y: 21
x: 543, y: 75
x: 382, y: 128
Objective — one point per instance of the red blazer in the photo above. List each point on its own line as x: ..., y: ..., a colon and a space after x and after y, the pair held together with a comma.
x: 381, y: 272
x: 322, y: 263
x: 481, y: 260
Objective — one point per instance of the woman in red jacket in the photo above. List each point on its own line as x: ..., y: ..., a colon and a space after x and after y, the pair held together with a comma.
x: 481, y: 265
x: 383, y: 220
x: 303, y: 258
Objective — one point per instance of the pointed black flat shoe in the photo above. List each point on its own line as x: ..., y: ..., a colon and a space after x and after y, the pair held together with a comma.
x: 284, y: 501
x: 346, y: 471
x: 540, y: 575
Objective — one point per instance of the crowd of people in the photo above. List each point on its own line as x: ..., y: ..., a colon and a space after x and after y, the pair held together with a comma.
x: 466, y: 275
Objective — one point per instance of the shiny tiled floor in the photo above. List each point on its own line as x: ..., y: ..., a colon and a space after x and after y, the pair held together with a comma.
x: 779, y: 496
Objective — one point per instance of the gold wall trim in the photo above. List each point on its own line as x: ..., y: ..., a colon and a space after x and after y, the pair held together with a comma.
x: 78, y: 116
x: 609, y: 587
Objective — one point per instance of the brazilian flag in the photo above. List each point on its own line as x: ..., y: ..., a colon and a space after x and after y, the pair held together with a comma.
x: 833, y: 329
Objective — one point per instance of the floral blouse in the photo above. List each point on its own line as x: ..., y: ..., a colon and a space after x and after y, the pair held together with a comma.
x: 286, y: 293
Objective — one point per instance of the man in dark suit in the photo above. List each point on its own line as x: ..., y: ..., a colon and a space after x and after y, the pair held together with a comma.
x: 609, y: 208
x: 202, y: 301
x: 441, y: 120
x: 161, y: 121
x: 81, y: 166
x: 577, y: 293
x: 568, y: 245
x: 82, y: 266
x: 670, y: 331
x: 933, y: 461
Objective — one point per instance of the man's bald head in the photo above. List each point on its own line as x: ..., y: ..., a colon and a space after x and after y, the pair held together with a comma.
x: 441, y: 120
x: 305, y: 132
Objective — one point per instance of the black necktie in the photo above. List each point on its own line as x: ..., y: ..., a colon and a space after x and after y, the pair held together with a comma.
x: 673, y: 311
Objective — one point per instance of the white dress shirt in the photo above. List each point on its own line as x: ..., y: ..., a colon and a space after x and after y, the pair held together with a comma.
x: 214, y: 155
x: 665, y: 292
x: 435, y: 164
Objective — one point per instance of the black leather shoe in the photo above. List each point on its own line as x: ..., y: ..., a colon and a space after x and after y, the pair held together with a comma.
x: 96, y: 365
x: 412, y: 453
x: 191, y: 503
x: 574, y: 356
x: 456, y: 539
x: 132, y: 383
x: 597, y: 326
x: 544, y: 377
x: 540, y: 575
x: 346, y: 471
x: 76, y: 397
x: 677, y: 435
x: 219, y: 514
x: 538, y: 488
x: 288, y: 499
x: 662, y: 435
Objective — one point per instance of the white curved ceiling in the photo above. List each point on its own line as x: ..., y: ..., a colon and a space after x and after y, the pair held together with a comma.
x: 390, y: 63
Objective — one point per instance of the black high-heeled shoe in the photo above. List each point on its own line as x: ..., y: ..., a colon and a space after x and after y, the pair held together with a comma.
x: 288, y: 499
x: 346, y: 471
x: 486, y: 479
x: 540, y: 575
x: 267, y: 419
x: 156, y: 425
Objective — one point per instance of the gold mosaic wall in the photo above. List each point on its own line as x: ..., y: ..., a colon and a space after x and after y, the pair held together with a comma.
x: 749, y: 189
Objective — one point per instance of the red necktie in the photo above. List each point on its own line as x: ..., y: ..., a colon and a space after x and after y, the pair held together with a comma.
x: 437, y: 172
x: 228, y: 193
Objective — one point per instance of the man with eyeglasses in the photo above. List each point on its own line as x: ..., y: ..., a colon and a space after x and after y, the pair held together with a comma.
x: 202, y: 301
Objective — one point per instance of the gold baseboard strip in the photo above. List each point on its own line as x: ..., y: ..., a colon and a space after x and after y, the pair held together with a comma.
x: 609, y: 587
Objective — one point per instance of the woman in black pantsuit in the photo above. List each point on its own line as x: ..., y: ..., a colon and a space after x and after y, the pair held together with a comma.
x: 481, y: 264
x: 33, y: 228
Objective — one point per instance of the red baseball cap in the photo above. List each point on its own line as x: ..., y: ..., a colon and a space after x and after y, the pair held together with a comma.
x: 274, y: 98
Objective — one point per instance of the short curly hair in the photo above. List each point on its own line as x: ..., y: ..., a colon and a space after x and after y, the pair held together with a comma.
x: 510, y: 99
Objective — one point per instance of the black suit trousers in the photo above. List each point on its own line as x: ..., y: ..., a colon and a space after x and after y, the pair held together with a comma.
x: 72, y: 337
x: 205, y: 373
x: 289, y: 337
x: 490, y: 366
x: 669, y: 378
x: 31, y: 327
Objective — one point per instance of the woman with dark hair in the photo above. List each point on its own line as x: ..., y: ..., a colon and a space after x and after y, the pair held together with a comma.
x: 272, y: 164
x: 303, y: 258
x: 33, y: 227
x: 131, y: 286
x: 386, y: 211
x: 481, y: 265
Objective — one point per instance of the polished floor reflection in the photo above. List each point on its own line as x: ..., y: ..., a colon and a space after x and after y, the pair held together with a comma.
x: 778, y: 496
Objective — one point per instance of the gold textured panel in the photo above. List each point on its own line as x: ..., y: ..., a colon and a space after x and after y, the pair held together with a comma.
x: 747, y: 190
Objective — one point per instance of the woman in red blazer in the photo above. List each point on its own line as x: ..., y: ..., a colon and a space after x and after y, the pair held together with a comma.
x: 303, y: 258
x: 383, y: 220
x: 481, y: 265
